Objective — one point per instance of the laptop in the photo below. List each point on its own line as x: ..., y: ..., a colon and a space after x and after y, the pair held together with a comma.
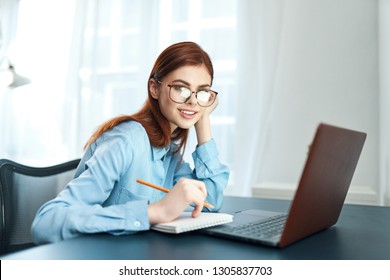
x: 319, y: 198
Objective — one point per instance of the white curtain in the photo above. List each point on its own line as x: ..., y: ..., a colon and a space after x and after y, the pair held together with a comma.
x: 49, y: 121
x: 93, y: 97
x: 30, y: 125
x: 305, y: 62
x: 384, y: 101
x: 8, y: 23
x: 259, y: 31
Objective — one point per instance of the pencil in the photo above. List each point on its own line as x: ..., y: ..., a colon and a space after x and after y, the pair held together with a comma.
x: 208, y: 205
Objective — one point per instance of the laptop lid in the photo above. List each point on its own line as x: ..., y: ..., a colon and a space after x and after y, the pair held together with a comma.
x: 324, y: 183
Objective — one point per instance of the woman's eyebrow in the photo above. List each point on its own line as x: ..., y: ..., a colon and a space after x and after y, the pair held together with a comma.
x: 188, y: 84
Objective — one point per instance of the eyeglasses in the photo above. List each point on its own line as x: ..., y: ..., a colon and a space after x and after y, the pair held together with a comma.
x: 181, y: 94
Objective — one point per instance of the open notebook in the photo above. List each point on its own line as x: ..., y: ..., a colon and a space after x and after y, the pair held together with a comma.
x: 185, y: 222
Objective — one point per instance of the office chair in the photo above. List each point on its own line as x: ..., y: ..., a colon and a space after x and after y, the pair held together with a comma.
x: 23, y: 189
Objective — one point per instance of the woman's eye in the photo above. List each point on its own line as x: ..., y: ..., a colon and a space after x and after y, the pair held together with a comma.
x: 203, y: 95
x: 184, y: 91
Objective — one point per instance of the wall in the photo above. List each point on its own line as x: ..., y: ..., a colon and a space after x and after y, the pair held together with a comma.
x: 327, y: 71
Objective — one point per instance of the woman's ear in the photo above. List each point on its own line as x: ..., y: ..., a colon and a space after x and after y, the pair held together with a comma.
x: 153, y: 88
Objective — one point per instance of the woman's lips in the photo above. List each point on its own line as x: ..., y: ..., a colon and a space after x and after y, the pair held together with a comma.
x: 188, y: 114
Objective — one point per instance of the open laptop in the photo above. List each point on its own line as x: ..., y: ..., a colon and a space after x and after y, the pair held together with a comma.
x: 319, y: 198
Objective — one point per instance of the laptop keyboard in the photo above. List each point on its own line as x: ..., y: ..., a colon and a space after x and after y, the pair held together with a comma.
x: 263, y: 229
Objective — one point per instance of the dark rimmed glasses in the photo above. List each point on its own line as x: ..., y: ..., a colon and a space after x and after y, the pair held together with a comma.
x: 181, y: 94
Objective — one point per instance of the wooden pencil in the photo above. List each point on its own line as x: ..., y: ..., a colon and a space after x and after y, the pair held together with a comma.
x: 208, y: 205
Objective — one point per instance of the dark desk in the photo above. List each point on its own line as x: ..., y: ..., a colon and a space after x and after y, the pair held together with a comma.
x: 362, y: 232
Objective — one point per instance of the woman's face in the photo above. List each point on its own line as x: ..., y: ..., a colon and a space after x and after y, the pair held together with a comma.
x: 187, y: 114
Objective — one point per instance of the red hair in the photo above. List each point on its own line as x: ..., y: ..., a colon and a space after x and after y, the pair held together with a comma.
x: 156, y: 125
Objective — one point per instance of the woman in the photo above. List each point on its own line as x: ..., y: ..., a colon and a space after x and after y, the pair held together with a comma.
x: 104, y: 195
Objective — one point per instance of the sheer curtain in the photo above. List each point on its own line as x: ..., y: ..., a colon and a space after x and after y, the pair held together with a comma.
x: 322, y: 65
x: 83, y: 72
x: 30, y: 125
x: 259, y: 24
x: 8, y: 20
x: 384, y: 55
x: 113, y: 48
x: 307, y: 62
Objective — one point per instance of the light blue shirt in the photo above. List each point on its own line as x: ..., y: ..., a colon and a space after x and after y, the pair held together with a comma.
x: 104, y: 195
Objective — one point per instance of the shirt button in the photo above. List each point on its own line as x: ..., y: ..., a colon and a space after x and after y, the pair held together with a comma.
x: 137, y: 224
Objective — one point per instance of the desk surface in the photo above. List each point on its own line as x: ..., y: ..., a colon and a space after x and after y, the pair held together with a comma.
x: 362, y: 232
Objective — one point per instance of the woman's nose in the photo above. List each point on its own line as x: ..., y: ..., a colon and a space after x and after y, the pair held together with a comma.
x: 192, y: 99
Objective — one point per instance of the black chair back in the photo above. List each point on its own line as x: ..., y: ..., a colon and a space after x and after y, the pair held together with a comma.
x: 23, y: 189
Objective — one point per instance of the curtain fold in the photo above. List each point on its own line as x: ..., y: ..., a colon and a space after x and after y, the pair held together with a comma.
x: 384, y: 100
x: 8, y: 24
x: 259, y: 28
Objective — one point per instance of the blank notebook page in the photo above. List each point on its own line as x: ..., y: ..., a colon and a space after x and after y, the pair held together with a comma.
x: 186, y: 223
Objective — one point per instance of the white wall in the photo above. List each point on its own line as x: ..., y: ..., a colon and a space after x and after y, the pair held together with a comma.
x: 327, y: 71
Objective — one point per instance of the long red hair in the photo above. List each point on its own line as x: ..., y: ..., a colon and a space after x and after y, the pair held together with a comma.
x: 156, y: 125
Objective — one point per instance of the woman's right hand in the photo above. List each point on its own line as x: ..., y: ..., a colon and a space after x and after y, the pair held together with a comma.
x: 183, y: 194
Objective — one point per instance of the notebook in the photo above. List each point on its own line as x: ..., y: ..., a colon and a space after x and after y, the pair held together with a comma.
x: 185, y: 222
x: 319, y: 198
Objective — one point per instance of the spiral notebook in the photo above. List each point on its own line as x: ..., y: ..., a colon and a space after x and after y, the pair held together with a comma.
x: 185, y: 222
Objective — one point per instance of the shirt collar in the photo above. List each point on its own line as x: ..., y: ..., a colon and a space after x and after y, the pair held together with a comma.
x: 158, y: 153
